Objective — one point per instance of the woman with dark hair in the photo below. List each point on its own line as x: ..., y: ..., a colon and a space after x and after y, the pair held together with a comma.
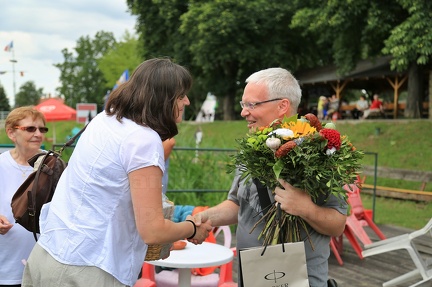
x: 25, y: 127
x: 107, y: 207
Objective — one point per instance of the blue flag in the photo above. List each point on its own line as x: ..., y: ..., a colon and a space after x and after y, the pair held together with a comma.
x: 123, y: 78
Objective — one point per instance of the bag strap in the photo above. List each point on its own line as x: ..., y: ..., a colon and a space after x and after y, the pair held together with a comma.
x: 263, y: 196
x: 72, y: 140
x: 32, y: 206
x: 265, y: 203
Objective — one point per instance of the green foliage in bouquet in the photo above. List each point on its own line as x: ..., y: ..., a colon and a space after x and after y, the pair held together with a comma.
x: 315, y: 159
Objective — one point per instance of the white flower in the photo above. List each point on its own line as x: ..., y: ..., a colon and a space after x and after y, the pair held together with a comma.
x: 273, y: 143
x: 330, y: 151
x: 285, y: 133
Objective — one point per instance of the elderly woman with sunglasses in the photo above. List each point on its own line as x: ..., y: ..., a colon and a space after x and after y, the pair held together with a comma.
x: 25, y: 126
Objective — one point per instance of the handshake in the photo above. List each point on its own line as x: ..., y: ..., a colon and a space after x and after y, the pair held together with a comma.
x: 202, y: 227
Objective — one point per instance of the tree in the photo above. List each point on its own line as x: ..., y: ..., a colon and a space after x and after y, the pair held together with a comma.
x: 364, y: 29
x: 123, y: 56
x: 351, y: 30
x: 223, y: 41
x: 410, y: 44
x: 411, y: 40
x: 158, y: 25
x: 28, y: 94
x: 81, y: 79
x: 4, y: 101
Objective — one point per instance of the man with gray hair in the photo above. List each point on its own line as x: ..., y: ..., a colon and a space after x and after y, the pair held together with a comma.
x: 272, y: 94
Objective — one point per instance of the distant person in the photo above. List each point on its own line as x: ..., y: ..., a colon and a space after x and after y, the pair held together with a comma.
x: 168, y: 146
x: 25, y: 126
x: 361, y: 105
x: 375, y: 107
x: 333, y: 108
x: 107, y: 207
x: 322, y: 107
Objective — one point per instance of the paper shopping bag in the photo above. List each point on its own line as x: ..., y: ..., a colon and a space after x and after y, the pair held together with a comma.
x: 277, y: 266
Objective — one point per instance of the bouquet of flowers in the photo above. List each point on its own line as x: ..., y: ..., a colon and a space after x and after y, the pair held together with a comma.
x: 307, y: 155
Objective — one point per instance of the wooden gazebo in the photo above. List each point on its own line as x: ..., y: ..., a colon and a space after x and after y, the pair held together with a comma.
x: 372, y: 73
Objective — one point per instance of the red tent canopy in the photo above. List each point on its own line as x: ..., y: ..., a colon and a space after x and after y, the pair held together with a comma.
x: 55, y: 110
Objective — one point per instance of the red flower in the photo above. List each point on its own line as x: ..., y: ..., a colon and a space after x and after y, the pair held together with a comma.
x: 333, y: 137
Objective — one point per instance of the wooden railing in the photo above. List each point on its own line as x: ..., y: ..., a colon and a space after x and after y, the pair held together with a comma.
x: 423, y: 177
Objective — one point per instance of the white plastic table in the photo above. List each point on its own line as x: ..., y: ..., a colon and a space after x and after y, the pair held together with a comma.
x: 195, y: 256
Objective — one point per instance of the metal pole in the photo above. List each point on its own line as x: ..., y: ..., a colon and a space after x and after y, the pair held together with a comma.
x: 198, y: 139
x: 13, y: 73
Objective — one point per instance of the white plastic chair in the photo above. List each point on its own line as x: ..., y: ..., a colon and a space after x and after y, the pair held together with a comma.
x: 405, y: 241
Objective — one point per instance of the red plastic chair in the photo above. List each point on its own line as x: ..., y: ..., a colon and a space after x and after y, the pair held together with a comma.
x: 147, y: 279
x: 225, y: 274
x: 358, y: 219
x: 147, y: 276
x: 144, y: 283
x: 354, y: 229
x: 364, y: 216
x: 336, y: 245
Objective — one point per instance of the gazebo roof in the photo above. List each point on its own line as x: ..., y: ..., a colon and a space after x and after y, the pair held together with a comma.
x: 366, y: 69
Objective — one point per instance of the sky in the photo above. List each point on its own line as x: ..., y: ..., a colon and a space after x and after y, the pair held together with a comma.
x: 41, y: 29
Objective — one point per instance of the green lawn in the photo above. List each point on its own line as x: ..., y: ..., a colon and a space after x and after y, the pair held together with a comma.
x: 399, y: 144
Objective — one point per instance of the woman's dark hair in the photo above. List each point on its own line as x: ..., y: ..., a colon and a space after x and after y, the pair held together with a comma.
x: 150, y: 96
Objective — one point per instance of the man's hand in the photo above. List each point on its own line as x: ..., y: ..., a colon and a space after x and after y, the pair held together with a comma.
x: 200, y: 217
x: 325, y: 220
x: 293, y: 200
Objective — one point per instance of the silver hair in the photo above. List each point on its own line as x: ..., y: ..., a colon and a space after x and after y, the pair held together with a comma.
x: 280, y: 83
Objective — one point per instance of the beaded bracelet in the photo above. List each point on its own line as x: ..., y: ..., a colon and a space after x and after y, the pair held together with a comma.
x: 195, y: 228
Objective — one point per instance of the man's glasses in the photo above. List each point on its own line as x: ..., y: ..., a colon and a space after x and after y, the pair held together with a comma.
x: 32, y: 129
x: 251, y: 106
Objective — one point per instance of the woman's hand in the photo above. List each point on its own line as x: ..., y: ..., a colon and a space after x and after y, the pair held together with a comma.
x: 202, y: 231
x: 5, y: 225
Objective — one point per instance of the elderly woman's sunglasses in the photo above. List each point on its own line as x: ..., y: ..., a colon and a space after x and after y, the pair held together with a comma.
x: 32, y: 129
